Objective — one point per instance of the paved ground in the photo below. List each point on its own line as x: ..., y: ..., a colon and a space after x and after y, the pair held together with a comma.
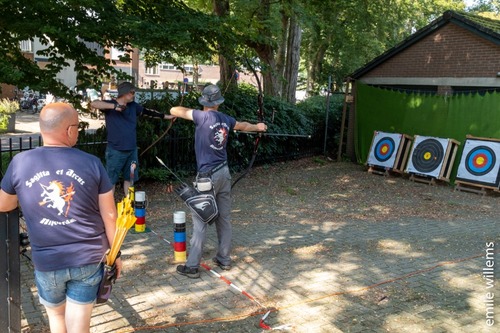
x: 27, y: 123
x: 27, y: 126
x: 326, y: 247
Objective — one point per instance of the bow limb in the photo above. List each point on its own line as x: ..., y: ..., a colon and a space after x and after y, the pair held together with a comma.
x: 165, y: 132
x: 250, y: 164
x: 260, y: 116
x: 260, y: 96
x: 159, y: 138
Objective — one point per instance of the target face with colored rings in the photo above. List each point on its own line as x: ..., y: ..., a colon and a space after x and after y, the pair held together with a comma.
x: 384, y: 149
x: 427, y: 156
x: 479, y: 162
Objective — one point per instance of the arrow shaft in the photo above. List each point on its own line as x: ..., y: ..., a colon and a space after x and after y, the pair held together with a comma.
x: 276, y: 134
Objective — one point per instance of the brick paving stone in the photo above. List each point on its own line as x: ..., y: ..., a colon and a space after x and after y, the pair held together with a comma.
x: 339, y: 273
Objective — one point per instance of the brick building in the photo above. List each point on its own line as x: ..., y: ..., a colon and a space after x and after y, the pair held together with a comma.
x: 458, y: 53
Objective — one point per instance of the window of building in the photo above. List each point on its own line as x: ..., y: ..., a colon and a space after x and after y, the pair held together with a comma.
x: 172, y: 67
x: 26, y: 46
x: 151, y: 70
x: 167, y: 67
x: 115, y: 53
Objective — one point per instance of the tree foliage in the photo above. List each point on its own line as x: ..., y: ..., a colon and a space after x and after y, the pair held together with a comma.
x: 329, y: 37
x: 62, y: 27
x: 351, y: 33
x: 164, y: 29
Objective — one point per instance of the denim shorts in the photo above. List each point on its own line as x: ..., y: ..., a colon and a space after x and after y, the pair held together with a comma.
x: 80, y: 285
x: 118, y: 164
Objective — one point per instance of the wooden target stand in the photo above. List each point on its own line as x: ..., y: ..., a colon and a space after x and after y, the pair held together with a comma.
x: 469, y: 183
x: 462, y: 186
x: 401, y: 157
x: 445, y: 169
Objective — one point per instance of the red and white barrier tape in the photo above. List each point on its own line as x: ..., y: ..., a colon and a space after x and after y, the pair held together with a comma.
x: 232, y: 285
x: 154, y: 232
x: 262, y: 323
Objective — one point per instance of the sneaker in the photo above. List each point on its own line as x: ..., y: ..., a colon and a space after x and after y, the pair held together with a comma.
x: 218, y: 263
x: 190, y: 272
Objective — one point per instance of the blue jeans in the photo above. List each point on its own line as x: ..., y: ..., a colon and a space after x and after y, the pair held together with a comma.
x: 118, y: 164
x: 80, y: 285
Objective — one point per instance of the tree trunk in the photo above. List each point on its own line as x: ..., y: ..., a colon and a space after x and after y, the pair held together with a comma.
x: 282, y: 50
x: 227, y: 77
x: 227, y: 70
x: 196, y: 74
x: 270, y: 80
x: 265, y: 52
x: 292, y: 60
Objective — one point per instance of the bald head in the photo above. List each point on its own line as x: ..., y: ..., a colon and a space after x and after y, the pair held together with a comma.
x: 56, y: 119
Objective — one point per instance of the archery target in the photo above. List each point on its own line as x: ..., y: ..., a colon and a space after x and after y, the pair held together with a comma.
x: 479, y: 162
x: 384, y: 149
x: 427, y: 156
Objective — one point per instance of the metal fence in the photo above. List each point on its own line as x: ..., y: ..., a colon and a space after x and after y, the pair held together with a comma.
x: 10, y: 270
x: 178, y: 152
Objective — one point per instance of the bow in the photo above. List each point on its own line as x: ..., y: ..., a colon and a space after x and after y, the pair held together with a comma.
x: 260, y: 116
x: 164, y: 133
x: 160, y: 137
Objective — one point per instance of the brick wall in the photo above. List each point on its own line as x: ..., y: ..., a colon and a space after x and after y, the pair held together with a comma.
x: 451, y: 51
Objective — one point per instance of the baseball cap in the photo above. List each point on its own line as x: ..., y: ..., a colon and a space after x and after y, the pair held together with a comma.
x: 124, y: 88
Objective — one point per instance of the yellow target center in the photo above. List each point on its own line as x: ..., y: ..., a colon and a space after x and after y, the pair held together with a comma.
x: 480, y: 160
x: 427, y: 156
x: 384, y: 149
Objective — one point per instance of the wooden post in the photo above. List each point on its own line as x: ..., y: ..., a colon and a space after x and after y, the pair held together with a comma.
x: 347, y: 99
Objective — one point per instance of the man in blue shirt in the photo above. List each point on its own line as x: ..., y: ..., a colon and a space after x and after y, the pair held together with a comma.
x: 121, y: 126
x: 69, y: 209
x: 211, y: 135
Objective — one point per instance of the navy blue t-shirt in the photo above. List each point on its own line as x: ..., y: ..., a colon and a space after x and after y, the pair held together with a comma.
x: 210, y: 140
x: 58, y: 191
x: 121, y: 126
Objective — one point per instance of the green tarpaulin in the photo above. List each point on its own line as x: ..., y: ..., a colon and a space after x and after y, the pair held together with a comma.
x: 453, y: 117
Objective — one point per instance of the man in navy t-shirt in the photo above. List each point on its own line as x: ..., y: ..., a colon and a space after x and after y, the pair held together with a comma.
x: 121, y: 123
x: 68, y: 204
x: 211, y: 135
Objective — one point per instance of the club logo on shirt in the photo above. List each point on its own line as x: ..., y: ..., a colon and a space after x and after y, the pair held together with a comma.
x: 57, y: 196
x: 220, y: 136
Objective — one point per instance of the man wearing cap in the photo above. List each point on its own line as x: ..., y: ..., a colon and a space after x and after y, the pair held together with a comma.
x: 212, y: 130
x: 121, y: 122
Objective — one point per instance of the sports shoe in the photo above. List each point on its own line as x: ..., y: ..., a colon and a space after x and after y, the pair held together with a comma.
x: 190, y: 272
x: 218, y: 263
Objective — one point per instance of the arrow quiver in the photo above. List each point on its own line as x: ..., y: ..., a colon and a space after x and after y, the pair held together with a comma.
x: 202, y: 205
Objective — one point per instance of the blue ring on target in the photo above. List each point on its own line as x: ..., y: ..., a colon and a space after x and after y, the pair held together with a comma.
x: 489, y: 160
x: 382, y: 154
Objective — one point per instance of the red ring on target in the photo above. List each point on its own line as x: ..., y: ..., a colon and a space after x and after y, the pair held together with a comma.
x: 384, y: 149
x: 480, y: 161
